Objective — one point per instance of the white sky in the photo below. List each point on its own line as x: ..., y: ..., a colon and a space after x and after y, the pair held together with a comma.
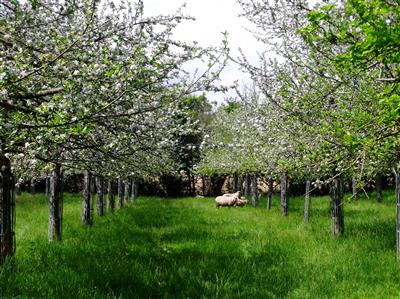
x: 212, y: 18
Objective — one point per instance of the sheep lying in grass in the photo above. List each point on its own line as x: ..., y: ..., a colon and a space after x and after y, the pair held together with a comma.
x: 226, y: 201
x: 242, y: 202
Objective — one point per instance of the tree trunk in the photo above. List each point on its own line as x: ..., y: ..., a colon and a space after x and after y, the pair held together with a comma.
x: 354, y: 188
x: 120, y: 193
x: 235, y: 183
x: 239, y: 184
x: 134, y: 191
x: 55, y: 204
x: 379, y: 187
x: 307, y: 201
x: 397, y: 175
x: 87, y: 216
x: 247, y: 183
x: 47, y: 190
x: 111, y: 199
x: 7, y: 210
x: 337, y: 214
x: 33, y: 187
x: 126, y: 191
x: 100, y: 195
x: 92, y: 195
x: 92, y: 185
x: 203, y: 186
x: 194, y: 184
x: 254, y: 190
x: 189, y: 178
x: 216, y: 183
x: 270, y: 191
x: 284, y: 197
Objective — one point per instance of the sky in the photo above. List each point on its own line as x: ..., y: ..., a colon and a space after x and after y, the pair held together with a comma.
x: 212, y: 18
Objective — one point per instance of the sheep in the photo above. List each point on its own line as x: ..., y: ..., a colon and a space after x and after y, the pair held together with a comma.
x: 228, y: 201
x: 242, y: 202
x: 236, y: 194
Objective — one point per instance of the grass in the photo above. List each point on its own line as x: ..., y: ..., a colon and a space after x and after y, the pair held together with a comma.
x: 185, y: 248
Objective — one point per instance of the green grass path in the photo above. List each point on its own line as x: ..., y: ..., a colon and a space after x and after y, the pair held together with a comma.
x: 185, y: 248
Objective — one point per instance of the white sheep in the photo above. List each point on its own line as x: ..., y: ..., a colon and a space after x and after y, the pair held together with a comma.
x: 242, y: 202
x: 225, y: 201
x: 236, y: 194
x: 228, y: 199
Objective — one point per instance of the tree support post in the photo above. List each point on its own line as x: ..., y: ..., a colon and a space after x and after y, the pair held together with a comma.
x: 7, y: 210
x: 247, y: 184
x: 307, y: 201
x: 120, y: 193
x: 55, y: 204
x: 100, y: 195
x: 378, y: 186
x: 270, y: 191
x: 126, y: 191
x: 193, y: 182
x: 337, y: 215
x: 134, y: 189
x: 254, y: 190
x: 111, y: 199
x: 284, y: 197
x: 87, y: 216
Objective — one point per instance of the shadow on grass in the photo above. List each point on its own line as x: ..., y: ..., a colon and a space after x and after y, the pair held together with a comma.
x: 378, y: 232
